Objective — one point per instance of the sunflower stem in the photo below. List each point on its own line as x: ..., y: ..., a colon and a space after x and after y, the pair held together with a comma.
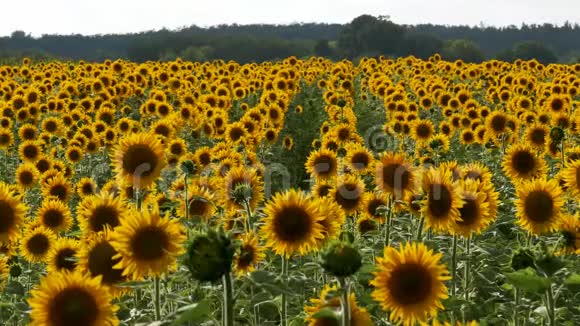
x: 388, y: 224
x: 344, y: 301
x: 466, y: 271
x: 228, y: 299
x: 516, y: 305
x: 453, y: 264
x: 420, y: 229
x: 157, y: 299
x: 284, y: 308
x: 249, y: 225
x: 551, y: 306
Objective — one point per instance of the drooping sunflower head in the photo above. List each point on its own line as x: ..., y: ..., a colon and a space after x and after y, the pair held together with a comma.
x: 138, y: 159
x: 71, y: 299
x: 63, y: 256
x: 12, y: 212
x: 539, y: 203
x: 201, y: 203
x: 322, y: 164
x: 409, y: 283
x: 148, y: 244
x: 291, y: 224
x: 521, y: 163
x: 54, y: 215
x: 442, y: 199
x: 96, y: 259
x: 395, y: 175
x: 242, y: 184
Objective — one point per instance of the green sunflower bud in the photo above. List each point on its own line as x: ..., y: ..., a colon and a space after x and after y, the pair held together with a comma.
x: 209, y: 256
x: 557, y: 134
x: 242, y: 193
x: 522, y: 259
x: 341, y: 260
x: 15, y: 270
x: 188, y: 167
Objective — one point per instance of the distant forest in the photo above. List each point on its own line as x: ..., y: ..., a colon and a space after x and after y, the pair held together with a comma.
x: 366, y: 35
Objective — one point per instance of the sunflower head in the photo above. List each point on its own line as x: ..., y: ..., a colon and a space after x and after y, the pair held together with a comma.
x: 209, y: 256
x: 539, y: 203
x: 341, y: 259
x: 249, y: 254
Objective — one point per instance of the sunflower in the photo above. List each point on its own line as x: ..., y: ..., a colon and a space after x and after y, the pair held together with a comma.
x: 372, y: 201
x: 71, y: 299
x: 6, y: 139
x: 291, y: 224
x: 322, y: 164
x: 54, y: 215
x: 36, y: 243
x: 86, y: 187
x: 539, y: 203
x: 409, y: 282
x: 537, y: 135
x: 57, y: 187
x: 95, y: 213
x: 4, y: 272
x: 27, y: 132
x: 333, y: 218
x: 348, y: 193
x: 96, y: 259
x: 467, y: 137
x: 26, y: 176
x: 520, y: 163
x: 52, y: 125
x: 422, y: 131
x: 200, y: 203
x: 442, y: 201
x: 148, y: 244
x: 571, y: 176
x: 138, y: 159
x: 249, y: 255
x: 177, y: 147
x: 395, y: 175
x: 12, y: 212
x: 63, y: 255
x: 476, y: 171
x: 74, y: 154
x: 29, y: 150
x: 496, y: 123
x: 245, y: 182
x: 474, y: 213
x: 359, y: 159
x: 329, y: 299
x: 569, y: 228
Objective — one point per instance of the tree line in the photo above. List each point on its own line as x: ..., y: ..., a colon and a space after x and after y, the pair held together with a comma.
x: 365, y: 35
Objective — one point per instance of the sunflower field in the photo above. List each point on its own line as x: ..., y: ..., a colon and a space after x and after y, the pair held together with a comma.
x: 298, y: 192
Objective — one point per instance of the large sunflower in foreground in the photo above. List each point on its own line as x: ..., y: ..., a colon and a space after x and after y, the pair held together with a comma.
x: 12, y: 212
x: 71, y: 299
x: 409, y: 282
x: 291, y: 224
x: 148, y: 244
x: 330, y: 299
x: 442, y: 200
x: 521, y: 162
x: 571, y: 176
x: 539, y: 203
x: 138, y: 159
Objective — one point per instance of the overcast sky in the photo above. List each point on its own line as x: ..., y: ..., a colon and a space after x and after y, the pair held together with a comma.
x: 39, y: 17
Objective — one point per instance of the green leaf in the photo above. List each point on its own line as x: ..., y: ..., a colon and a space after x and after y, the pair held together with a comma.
x: 573, y: 280
x: 528, y: 280
x: 260, y: 276
x: 15, y: 288
x: 193, y: 313
x: 325, y: 313
x: 134, y: 284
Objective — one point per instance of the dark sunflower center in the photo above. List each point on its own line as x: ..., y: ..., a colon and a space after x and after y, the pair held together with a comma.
x: 53, y: 218
x: 30, y: 151
x: 557, y: 104
x: 73, y: 306
x: 87, y: 189
x: 373, y: 205
x: 327, y: 321
x: 324, y: 165
x: 539, y: 206
x: 523, y: 162
x: 439, y: 200
x: 101, y: 262
x: 474, y: 175
x: 204, y: 159
x: 104, y: 215
x: 74, y: 155
x: 139, y: 159
x: 292, y: 224
x: 498, y: 123
x: 324, y: 190
x: 246, y: 256
x: 59, y: 191
x: 26, y: 178
x: 198, y: 207
x: 4, y: 139
x: 149, y: 243
x: 360, y: 160
x: 38, y: 244
x: 343, y: 134
x: 538, y: 136
x: 469, y: 212
x: 176, y: 149
x: 423, y: 131
x: 366, y: 226
x: 396, y: 177
x: 236, y: 134
x: 410, y: 284
x: 348, y: 195
x: 7, y: 216
x: 50, y: 126
x: 65, y: 259
x: 467, y: 137
x: 578, y: 177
